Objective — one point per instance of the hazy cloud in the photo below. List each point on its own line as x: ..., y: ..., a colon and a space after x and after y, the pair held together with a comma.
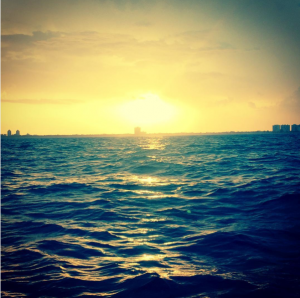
x: 27, y: 39
x: 91, y: 44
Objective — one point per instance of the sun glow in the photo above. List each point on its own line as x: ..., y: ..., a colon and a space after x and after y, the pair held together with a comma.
x: 147, y: 109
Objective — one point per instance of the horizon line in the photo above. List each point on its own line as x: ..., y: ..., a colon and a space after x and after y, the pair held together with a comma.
x: 143, y: 134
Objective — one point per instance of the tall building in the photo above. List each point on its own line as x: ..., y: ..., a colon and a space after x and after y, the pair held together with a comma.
x: 17, y: 133
x: 137, y: 130
x: 9, y: 133
x: 296, y: 127
x: 276, y: 128
x: 285, y: 128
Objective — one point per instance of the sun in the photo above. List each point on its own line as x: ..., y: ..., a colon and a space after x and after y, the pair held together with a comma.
x: 147, y: 109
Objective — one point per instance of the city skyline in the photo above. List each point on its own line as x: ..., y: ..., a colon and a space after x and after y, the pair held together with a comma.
x: 138, y: 131
x: 90, y: 67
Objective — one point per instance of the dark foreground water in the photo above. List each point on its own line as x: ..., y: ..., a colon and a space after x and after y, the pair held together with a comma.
x: 199, y: 216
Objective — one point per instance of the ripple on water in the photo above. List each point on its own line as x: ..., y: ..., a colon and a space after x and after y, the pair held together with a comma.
x: 190, y: 216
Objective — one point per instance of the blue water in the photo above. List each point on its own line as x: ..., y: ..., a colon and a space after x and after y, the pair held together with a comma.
x: 190, y: 216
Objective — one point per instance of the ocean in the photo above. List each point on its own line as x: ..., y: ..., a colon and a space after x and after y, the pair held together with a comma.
x: 187, y: 216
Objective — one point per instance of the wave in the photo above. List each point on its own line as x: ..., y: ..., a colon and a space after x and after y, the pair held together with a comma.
x: 191, y: 216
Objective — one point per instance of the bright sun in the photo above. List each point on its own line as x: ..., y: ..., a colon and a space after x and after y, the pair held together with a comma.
x: 147, y: 109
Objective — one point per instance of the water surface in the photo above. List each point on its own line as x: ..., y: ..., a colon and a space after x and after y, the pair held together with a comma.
x: 190, y: 216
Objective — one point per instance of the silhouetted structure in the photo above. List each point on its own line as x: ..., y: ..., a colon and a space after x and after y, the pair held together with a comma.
x: 9, y: 133
x: 285, y: 128
x: 17, y: 133
x: 137, y: 130
x: 296, y: 128
x: 276, y: 128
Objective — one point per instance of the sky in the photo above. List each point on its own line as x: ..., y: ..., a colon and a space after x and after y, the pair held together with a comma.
x: 96, y: 66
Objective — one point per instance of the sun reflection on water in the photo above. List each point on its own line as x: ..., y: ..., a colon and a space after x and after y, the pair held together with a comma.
x: 152, y: 143
x: 149, y: 180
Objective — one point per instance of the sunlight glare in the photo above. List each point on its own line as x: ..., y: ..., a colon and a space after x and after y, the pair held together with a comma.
x: 146, y: 110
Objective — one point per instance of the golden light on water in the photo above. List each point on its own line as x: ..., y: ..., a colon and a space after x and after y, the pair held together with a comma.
x: 147, y: 109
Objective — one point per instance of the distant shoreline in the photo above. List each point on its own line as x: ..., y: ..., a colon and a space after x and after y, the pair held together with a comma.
x: 145, y: 135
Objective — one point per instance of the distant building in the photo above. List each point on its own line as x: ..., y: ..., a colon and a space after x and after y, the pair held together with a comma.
x: 285, y: 128
x: 17, y: 133
x: 276, y: 128
x: 296, y: 128
x: 137, y: 130
x: 9, y: 133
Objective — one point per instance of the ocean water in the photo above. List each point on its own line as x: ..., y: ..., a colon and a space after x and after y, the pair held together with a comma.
x: 189, y: 216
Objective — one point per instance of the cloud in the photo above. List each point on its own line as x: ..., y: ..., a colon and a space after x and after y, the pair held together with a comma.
x: 198, y: 40
x: 27, y: 39
x: 19, y: 46
x: 191, y: 35
x: 109, y: 48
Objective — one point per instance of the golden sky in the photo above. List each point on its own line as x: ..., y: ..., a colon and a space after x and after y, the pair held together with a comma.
x: 95, y: 66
